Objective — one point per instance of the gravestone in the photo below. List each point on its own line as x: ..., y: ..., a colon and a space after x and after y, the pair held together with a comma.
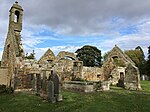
x: 51, y: 96
x: 38, y: 84
x: 57, y: 86
x: 33, y: 84
x: 105, y: 86
x: 44, y: 86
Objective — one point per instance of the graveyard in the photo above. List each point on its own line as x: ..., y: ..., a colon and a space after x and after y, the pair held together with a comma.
x: 116, y: 100
x: 62, y: 83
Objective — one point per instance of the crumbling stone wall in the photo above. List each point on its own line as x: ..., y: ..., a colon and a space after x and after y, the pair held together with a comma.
x: 47, y: 57
x: 107, y: 68
x: 92, y: 73
x: 116, y: 74
x: 3, y: 75
x: 132, y: 78
x: 15, y: 70
x: 13, y: 45
x: 64, y: 68
x: 63, y: 54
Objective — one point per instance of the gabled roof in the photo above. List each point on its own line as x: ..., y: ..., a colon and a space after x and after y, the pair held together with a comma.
x: 48, y: 55
x: 116, y: 51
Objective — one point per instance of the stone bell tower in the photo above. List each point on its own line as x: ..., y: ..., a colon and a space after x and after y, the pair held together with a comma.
x: 13, y: 50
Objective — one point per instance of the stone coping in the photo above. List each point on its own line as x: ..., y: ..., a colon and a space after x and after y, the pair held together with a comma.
x: 79, y: 82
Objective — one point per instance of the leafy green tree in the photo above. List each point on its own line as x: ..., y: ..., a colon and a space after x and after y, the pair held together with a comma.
x: 31, y: 56
x: 138, y: 58
x: 105, y: 55
x: 148, y: 63
x: 90, y: 55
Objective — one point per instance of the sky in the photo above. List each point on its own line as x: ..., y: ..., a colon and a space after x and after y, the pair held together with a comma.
x: 66, y: 25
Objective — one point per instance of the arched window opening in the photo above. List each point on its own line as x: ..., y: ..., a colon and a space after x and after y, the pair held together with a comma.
x: 16, y: 18
x: 115, y: 59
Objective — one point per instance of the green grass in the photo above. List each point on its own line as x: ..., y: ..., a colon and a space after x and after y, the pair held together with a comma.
x: 115, y: 100
x: 145, y: 86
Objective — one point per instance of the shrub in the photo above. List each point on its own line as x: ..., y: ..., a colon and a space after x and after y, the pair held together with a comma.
x: 5, y: 89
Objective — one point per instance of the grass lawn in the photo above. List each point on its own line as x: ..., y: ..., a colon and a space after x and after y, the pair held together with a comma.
x: 115, y: 100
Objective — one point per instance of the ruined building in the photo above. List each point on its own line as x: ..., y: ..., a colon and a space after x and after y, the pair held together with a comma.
x: 21, y: 73
x: 13, y: 51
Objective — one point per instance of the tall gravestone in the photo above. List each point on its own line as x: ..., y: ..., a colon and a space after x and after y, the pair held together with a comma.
x: 51, y: 96
x: 44, y: 86
x: 54, y: 88
x: 38, y: 84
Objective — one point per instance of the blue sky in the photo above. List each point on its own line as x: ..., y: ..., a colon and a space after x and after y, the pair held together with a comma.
x: 67, y: 25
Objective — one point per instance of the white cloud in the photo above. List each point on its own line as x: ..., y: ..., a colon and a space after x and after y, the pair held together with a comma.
x: 80, y: 18
x: 125, y: 43
x: 57, y: 49
x: 1, y: 51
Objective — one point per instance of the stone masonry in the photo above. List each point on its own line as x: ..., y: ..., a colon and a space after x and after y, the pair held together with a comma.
x: 21, y: 73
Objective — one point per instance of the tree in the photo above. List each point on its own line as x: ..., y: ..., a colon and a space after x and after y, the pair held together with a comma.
x: 0, y: 63
x: 148, y: 63
x: 105, y: 55
x: 137, y: 56
x: 31, y: 56
x: 90, y: 55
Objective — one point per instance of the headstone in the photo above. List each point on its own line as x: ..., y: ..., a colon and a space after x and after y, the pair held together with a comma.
x: 33, y: 83
x: 105, y: 86
x: 44, y: 81
x: 57, y: 86
x: 143, y: 77
x: 51, y: 88
x: 44, y: 87
x: 51, y: 96
x: 38, y: 84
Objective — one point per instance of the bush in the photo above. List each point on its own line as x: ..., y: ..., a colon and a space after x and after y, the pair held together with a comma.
x: 5, y: 89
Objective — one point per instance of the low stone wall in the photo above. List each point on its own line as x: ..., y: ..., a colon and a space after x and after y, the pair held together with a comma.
x: 79, y: 86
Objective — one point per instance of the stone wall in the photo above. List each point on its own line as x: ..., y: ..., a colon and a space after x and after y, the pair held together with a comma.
x: 92, y: 74
x: 63, y: 54
x: 116, y: 74
x: 64, y: 68
x: 79, y: 86
x: 132, y: 78
x: 3, y: 76
x: 48, y: 56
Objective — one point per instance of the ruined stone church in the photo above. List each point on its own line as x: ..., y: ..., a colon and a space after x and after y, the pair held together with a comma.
x: 21, y: 73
